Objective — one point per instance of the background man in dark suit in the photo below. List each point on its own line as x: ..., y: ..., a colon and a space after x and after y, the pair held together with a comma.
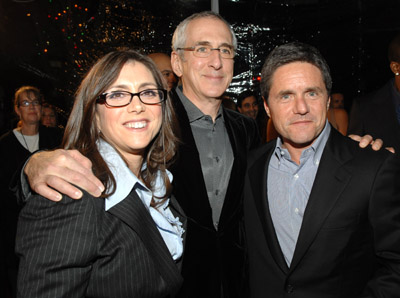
x: 322, y: 216
x: 378, y: 113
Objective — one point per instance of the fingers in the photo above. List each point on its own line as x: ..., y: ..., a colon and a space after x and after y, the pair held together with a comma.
x: 53, y: 172
x: 377, y: 144
x: 365, y: 141
x: 391, y: 149
x: 53, y: 182
x: 368, y: 140
x: 355, y: 137
x: 47, y: 192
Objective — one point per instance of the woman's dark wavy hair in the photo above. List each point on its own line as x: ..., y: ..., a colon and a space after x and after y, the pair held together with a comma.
x: 81, y: 132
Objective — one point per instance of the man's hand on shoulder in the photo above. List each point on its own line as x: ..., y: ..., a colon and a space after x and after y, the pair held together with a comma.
x: 368, y: 140
x: 53, y: 172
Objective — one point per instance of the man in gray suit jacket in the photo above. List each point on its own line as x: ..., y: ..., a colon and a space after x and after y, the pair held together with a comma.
x: 322, y: 216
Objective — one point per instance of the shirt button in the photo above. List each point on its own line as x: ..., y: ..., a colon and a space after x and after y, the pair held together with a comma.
x: 217, y: 192
x: 296, y: 210
x: 296, y: 176
x: 217, y: 159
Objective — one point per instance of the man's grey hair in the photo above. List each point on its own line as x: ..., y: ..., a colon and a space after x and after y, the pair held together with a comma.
x: 179, y: 38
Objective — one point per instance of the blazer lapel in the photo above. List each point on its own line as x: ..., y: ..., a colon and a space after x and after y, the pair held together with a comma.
x: 236, y: 180
x: 188, y: 168
x: 132, y: 211
x: 330, y: 180
x: 258, y: 174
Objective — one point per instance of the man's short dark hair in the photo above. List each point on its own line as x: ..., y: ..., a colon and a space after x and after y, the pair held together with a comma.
x: 242, y: 96
x: 293, y: 52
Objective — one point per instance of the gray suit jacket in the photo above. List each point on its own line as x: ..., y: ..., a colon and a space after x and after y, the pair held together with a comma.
x: 74, y: 248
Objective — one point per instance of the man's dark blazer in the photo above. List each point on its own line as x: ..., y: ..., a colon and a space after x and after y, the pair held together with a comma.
x: 349, y: 241
x: 74, y: 248
x: 212, y: 259
x: 375, y: 114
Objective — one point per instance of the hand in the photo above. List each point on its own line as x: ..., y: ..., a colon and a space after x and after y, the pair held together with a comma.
x: 59, y: 169
x: 368, y: 140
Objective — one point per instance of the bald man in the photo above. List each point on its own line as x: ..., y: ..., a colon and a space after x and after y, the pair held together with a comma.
x: 163, y: 62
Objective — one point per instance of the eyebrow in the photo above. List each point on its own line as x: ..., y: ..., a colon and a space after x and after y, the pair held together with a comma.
x: 207, y: 43
x: 290, y: 91
x: 123, y: 86
x: 315, y: 88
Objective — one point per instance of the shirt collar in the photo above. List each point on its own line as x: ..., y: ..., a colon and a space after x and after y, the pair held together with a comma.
x: 192, y: 111
x: 125, y: 179
x: 317, y: 147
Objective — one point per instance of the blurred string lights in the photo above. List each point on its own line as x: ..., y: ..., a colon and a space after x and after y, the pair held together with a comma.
x: 76, y: 33
x: 91, y: 28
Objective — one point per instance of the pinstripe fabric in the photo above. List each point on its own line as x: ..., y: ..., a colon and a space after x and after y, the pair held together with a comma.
x: 74, y: 248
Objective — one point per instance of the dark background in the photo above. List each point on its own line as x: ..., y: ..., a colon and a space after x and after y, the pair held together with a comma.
x: 52, y: 43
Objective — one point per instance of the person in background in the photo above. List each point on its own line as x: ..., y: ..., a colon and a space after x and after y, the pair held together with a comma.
x: 129, y: 242
x: 337, y: 100
x: 15, y: 147
x: 163, y: 62
x: 378, y: 113
x: 49, y: 115
x: 337, y: 115
x: 321, y: 214
x: 247, y: 104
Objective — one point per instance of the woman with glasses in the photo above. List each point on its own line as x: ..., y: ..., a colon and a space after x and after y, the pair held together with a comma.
x: 129, y: 242
x: 15, y: 147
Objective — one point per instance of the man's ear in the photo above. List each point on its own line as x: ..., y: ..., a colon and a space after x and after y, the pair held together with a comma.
x: 176, y: 63
x: 395, y: 67
x: 328, y: 103
x: 266, y: 107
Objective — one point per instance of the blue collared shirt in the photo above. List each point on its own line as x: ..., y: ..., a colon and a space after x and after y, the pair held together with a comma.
x: 169, y: 226
x: 289, y: 186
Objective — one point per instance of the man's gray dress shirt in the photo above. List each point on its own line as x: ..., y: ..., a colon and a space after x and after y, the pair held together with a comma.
x: 215, y: 150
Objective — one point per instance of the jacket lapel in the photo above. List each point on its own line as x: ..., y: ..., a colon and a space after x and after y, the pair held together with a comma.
x: 188, y: 168
x: 330, y: 180
x: 236, y: 179
x: 258, y: 174
x: 133, y: 212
